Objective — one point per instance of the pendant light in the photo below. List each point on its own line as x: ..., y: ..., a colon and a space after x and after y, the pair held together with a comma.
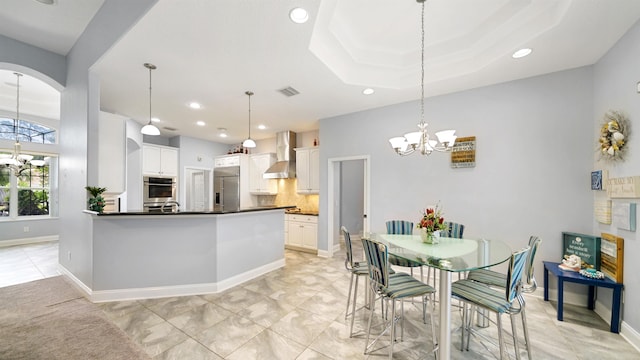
x: 150, y: 129
x: 420, y: 140
x: 249, y: 143
x: 16, y: 161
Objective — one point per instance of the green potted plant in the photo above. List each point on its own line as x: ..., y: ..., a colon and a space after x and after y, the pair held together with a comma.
x: 96, y: 201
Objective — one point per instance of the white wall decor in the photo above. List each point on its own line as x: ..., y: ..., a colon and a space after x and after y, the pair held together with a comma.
x: 624, y: 215
x: 602, y: 211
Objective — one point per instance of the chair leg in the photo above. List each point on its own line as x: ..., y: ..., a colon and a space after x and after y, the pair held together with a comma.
x: 371, y: 313
x: 434, y: 339
x: 393, y: 327
x: 346, y: 313
x: 515, y: 335
x: 463, y: 327
x: 525, y: 329
x: 402, y: 318
x: 500, y: 336
x: 353, y: 311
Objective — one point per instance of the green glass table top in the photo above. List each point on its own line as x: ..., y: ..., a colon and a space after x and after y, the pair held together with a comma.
x: 449, y: 254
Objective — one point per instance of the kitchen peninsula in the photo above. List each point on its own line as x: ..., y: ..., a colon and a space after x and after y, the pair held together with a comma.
x: 147, y: 255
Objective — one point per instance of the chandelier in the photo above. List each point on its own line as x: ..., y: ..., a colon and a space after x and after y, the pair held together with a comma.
x: 420, y: 140
x: 150, y: 129
x: 16, y: 160
x: 249, y: 143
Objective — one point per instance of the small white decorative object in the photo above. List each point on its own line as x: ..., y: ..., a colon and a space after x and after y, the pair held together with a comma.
x: 571, y: 263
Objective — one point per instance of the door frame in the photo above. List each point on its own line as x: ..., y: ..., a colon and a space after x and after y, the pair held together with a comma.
x: 209, y: 185
x: 333, y: 197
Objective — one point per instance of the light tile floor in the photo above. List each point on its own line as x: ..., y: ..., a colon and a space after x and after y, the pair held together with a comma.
x: 297, y: 312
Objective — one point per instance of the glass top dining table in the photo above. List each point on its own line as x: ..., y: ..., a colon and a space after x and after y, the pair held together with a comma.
x: 449, y: 255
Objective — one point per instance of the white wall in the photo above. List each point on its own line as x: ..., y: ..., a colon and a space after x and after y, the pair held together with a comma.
x: 80, y: 107
x: 534, y: 158
x: 615, y: 78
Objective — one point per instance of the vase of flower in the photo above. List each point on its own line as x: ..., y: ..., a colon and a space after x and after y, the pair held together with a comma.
x: 430, y: 225
x: 96, y: 201
x: 430, y: 237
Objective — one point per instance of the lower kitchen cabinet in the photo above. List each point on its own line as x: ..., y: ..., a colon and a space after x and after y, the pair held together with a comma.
x: 301, y: 232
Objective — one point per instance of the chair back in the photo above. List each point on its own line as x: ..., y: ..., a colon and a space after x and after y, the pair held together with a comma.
x: 515, y: 272
x: 453, y: 230
x: 377, y: 260
x: 399, y: 227
x: 348, y: 263
x: 530, y: 280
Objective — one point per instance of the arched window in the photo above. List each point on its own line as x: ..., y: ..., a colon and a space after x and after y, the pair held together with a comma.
x: 27, y: 131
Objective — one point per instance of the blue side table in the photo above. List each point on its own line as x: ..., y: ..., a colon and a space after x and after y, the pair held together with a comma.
x: 574, y: 277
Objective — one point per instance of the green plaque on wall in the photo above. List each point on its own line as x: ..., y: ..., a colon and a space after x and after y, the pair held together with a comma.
x: 587, y: 247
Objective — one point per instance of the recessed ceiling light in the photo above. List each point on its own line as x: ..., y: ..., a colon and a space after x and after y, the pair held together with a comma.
x: 299, y: 15
x: 368, y: 91
x: 194, y: 105
x: 222, y: 132
x: 46, y: 2
x: 261, y: 127
x: 155, y: 119
x: 521, y: 53
x: 223, y: 135
x: 200, y: 123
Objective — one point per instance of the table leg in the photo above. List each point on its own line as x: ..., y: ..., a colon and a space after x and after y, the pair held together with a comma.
x: 444, y: 342
x: 546, y: 283
x: 560, y: 297
x: 615, y: 311
x: 591, y: 301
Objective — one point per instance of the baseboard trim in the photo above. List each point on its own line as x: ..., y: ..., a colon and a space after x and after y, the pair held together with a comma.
x: 248, y: 275
x: 631, y: 335
x: 31, y: 240
x: 170, y: 291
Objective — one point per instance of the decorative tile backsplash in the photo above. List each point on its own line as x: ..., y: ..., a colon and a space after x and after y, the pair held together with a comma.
x: 287, y: 196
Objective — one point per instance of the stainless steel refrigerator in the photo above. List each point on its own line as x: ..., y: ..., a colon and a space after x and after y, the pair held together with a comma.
x: 226, y: 188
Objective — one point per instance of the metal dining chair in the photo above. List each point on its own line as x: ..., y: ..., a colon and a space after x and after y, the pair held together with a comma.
x: 452, y: 230
x: 402, y: 227
x: 357, y: 269
x: 497, y: 279
x: 390, y: 289
x: 508, y: 300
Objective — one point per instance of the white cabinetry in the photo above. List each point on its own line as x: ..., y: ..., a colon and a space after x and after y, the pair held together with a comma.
x: 159, y: 160
x: 111, y: 152
x: 308, y: 170
x: 258, y: 164
x: 302, y: 231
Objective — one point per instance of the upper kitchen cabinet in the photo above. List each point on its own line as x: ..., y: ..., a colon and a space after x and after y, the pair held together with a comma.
x: 258, y: 164
x: 308, y: 170
x: 159, y: 160
x: 111, y: 152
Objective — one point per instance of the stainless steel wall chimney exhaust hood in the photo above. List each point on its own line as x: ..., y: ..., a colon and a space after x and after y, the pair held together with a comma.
x: 285, y: 167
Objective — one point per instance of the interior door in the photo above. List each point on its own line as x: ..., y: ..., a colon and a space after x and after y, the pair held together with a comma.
x: 198, y: 193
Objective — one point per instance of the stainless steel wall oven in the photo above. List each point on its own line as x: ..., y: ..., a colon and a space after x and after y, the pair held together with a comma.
x: 157, y: 190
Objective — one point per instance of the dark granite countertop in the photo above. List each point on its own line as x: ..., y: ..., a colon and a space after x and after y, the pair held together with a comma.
x: 206, y: 212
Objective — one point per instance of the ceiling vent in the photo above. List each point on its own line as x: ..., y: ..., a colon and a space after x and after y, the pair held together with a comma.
x: 169, y: 128
x: 289, y: 91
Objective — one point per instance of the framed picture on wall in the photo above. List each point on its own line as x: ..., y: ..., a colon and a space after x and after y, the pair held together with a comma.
x: 598, y: 179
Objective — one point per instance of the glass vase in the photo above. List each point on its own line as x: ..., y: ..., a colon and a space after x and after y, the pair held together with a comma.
x: 429, y: 237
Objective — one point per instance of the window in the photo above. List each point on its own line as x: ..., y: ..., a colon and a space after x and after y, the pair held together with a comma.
x: 27, y: 132
x: 27, y: 192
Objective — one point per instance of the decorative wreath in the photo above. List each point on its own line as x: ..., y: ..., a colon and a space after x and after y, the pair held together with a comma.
x: 613, y: 136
